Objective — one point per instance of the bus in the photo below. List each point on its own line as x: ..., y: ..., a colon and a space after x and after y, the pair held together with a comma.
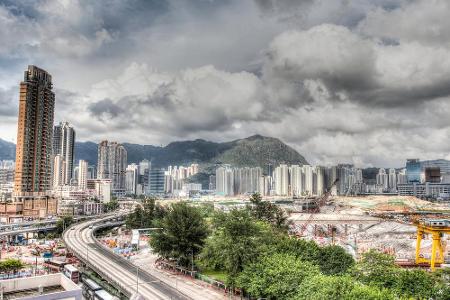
x: 103, y: 295
x: 72, y: 273
x: 89, y: 288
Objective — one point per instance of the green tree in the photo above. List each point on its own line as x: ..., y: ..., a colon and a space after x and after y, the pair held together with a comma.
x: 419, y: 284
x: 331, y: 259
x: 268, y: 212
x: 275, y: 277
x: 135, y: 219
x: 112, y: 205
x: 10, y: 265
x: 183, y: 234
x: 63, y: 223
x: 302, y: 249
x: 324, y: 287
x: 146, y: 215
x: 377, y: 269
x: 334, y: 260
x: 236, y: 242
x: 360, y: 291
x: 441, y: 278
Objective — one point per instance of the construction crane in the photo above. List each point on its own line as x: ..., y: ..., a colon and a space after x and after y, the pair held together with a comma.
x: 320, y: 202
x: 436, y: 228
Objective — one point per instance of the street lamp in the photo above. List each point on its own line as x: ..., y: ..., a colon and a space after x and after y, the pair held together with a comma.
x: 36, y: 256
x: 87, y: 255
x: 192, y: 262
x: 137, y: 280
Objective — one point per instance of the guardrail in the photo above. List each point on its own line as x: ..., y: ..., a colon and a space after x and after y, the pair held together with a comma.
x: 129, y: 264
x: 26, y: 230
x: 102, y: 273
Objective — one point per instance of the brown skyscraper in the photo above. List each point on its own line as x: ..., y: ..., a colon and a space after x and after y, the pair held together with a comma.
x: 34, y: 133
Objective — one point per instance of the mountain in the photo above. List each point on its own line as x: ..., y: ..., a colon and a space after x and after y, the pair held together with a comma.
x: 7, y: 150
x: 256, y: 150
x: 252, y: 151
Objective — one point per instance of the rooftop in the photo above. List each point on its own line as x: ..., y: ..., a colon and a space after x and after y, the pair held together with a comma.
x: 40, y: 287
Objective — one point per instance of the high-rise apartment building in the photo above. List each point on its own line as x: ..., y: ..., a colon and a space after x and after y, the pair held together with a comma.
x: 34, y: 132
x: 246, y: 180
x: 82, y: 174
x: 112, y: 164
x: 6, y: 171
x: 309, y: 179
x: 319, y: 181
x: 281, y: 178
x: 392, y: 180
x: 131, y: 181
x: 59, y: 166
x: 344, y: 172
x: 401, y: 177
x: 382, y: 179
x: 297, y: 180
x: 63, y: 145
x: 359, y: 176
x: 224, y: 181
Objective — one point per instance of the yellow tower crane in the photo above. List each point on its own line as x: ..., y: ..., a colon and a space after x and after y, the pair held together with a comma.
x: 437, y: 228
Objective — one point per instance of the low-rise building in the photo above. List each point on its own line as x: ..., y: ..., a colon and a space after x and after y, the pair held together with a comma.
x: 29, y: 206
x: 46, y: 287
x: 425, y: 190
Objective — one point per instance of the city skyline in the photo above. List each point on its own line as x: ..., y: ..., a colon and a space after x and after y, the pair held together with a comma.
x: 382, y: 103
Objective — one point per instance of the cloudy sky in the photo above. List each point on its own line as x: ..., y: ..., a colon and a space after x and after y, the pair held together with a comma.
x: 361, y: 81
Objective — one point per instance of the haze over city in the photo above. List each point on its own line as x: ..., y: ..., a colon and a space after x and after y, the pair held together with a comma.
x: 333, y: 80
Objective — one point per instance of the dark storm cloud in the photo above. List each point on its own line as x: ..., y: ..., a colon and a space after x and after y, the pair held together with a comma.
x: 8, y: 102
x: 105, y: 109
x: 359, y: 69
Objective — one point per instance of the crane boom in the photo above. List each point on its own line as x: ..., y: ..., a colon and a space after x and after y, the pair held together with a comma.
x: 320, y: 202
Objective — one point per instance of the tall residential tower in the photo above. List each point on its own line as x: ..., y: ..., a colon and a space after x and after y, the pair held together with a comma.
x: 112, y: 164
x: 34, y: 132
x: 63, y: 145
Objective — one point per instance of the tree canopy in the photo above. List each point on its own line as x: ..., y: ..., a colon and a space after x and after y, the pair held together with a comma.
x: 63, y: 223
x: 237, y: 241
x: 379, y: 270
x: 276, y: 276
x: 268, y: 212
x: 10, y: 265
x: 146, y: 215
x: 324, y: 287
x: 182, y: 235
x: 252, y: 250
x: 112, y: 205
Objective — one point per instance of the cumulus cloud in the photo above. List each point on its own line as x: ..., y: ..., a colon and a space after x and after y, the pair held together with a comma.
x: 343, y: 81
x: 422, y: 21
x: 360, y: 69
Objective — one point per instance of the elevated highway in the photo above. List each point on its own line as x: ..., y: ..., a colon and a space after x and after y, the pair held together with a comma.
x: 135, y: 282
x: 37, y: 226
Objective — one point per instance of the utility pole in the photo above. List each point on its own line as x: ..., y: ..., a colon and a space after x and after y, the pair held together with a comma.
x: 137, y: 280
x: 192, y: 263
x: 87, y: 255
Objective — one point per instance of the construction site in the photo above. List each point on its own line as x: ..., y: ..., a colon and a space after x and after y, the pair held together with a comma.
x: 387, y: 223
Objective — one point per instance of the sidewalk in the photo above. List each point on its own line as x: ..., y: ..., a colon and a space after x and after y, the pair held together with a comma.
x: 146, y: 260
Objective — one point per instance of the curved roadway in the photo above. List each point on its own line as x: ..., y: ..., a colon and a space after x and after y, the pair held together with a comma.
x: 122, y: 273
x: 115, y: 269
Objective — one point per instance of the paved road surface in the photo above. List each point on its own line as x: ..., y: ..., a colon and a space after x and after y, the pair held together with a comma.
x: 120, y: 271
